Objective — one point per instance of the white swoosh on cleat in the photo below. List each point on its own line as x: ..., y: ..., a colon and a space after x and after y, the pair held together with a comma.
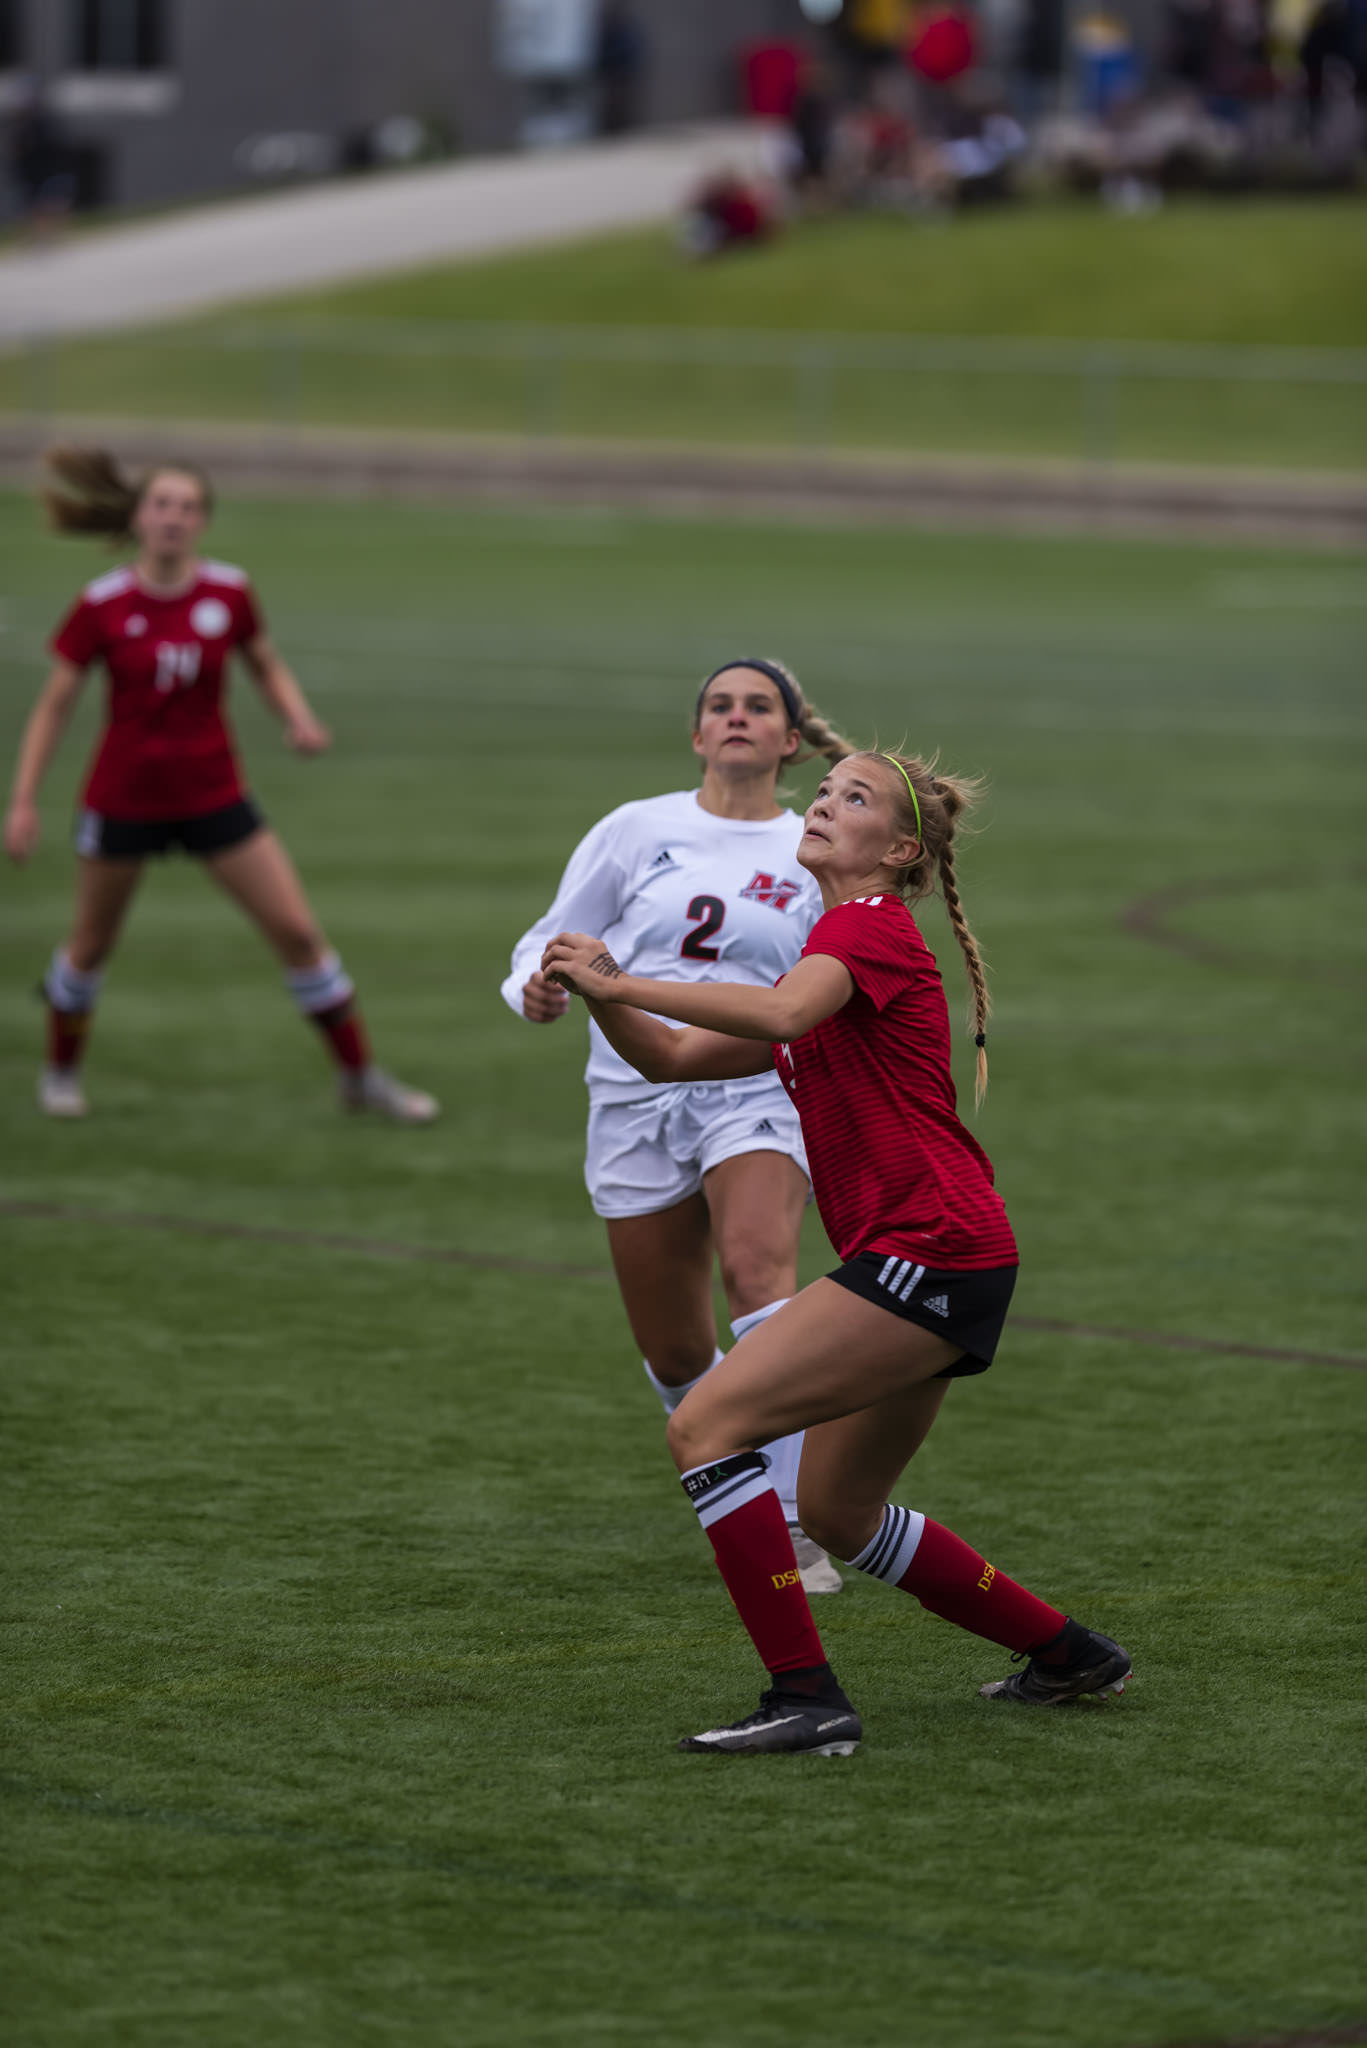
x: 716, y: 1734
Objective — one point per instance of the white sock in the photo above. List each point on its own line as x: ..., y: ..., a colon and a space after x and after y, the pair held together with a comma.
x: 319, y: 989
x: 72, y: 989
x: 785, y: 1452
x: 670, y: 1397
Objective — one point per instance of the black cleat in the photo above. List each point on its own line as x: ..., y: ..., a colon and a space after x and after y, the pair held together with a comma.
x: 784, y: 1724
x: 1102, y: 1667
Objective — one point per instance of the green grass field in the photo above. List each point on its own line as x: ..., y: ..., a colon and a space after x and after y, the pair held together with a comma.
x: 353, y: 1607
x: 1268, y: 273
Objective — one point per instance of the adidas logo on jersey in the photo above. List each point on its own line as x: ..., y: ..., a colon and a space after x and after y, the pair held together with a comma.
x: 663, y: 859
x: 778, y: 894
x: 938, y: 1304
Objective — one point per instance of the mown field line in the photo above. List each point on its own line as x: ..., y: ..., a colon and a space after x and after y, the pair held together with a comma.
x: 621, y: 1893
x: 1336, y: 2037
x: 683, y: 478
x: 1146, y: 918
x: 447, y: 1255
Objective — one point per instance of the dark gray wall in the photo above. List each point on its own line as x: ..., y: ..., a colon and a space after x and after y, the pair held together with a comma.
x: 248, y: 67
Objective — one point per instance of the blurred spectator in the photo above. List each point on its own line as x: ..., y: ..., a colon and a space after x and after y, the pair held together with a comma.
x: 872, y: 34
x: 727, y: 212
x: 977, y: 161
x: 943, y: 45
x: 812, y: 126
x: 40, y: 166
x: 772, y: 74
x: 941, y: 49
x: 1108, y: 67
x: 619, y: 65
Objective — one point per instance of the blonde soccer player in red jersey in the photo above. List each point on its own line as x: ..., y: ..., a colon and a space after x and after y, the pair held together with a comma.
x: 701, y: 884
x: 165, y: 772
x: 858, y: 1032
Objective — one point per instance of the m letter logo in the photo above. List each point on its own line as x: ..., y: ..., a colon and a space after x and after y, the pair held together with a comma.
x: 778, y: 894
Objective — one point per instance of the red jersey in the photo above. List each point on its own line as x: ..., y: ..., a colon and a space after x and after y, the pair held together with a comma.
x: 166, y: 751
x: 893, y: 1169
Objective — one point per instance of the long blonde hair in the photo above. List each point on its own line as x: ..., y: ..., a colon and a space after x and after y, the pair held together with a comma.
x: 88, y: 492
x: 943, y: 801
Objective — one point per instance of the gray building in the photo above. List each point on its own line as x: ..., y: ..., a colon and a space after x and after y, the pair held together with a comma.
x: 159, y: 99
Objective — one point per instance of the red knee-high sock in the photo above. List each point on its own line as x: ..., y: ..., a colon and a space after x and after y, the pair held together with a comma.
x: 345, y: 1033
x: 744, y: 1522
x: 67, y: 1031
x: 952, y: 1580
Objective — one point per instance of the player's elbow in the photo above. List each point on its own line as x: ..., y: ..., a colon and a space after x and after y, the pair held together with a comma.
x: 789, y: 1018
x: 659, y: 1064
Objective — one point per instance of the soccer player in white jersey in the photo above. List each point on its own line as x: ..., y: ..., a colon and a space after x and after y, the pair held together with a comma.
x: 703, y: 885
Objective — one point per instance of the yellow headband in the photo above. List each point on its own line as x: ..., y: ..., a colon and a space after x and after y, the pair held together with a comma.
x: 910, y: 791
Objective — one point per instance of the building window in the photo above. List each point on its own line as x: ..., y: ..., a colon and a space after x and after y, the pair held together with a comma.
x: 118, y: 35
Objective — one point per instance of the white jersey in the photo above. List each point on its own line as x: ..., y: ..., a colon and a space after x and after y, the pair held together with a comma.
x: 677, y: 894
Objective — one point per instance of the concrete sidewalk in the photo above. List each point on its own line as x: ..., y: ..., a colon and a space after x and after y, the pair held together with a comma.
x: 326, y: 234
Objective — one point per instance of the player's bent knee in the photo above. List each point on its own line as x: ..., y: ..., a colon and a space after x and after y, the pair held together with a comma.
x: 677, y: 1365
x: 832, y: 1526
x: 752, y: 1276
x: 689, y: 1438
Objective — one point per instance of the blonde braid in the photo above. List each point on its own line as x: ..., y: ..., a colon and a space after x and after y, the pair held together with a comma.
x: 821, y: 736
x: 973, y: 959
x: 942, y: 800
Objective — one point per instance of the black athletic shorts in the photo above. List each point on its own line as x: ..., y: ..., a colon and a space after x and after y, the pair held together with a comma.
x: 963, y: 1308
x: 101, y: 838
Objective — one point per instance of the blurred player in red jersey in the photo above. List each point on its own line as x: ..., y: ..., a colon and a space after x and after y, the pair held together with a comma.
x: 859, y: 1033
x: 166, y: 772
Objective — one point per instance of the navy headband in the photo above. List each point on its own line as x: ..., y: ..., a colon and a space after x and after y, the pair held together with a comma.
x: 783, y: 684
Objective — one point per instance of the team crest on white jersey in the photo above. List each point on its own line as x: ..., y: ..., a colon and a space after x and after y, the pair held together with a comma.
x: 210, y: 618
x: 777, y: 892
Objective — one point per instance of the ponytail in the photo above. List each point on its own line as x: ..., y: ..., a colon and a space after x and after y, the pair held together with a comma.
x: 87, y: 492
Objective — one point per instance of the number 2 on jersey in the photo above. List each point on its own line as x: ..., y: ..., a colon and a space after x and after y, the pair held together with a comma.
x: 710, y: 910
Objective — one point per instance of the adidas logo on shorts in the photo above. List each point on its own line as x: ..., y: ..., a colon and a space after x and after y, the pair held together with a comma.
x: 764, y: 1129
x: 937, y: 1303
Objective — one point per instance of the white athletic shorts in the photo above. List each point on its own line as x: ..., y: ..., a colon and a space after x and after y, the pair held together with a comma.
x: 644, y: 1156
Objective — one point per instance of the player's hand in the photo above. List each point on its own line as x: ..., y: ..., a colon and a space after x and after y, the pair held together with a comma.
x: 583, y: 965
x: 307, y: 736
x: 543, y: 1001
x: 22, y: 828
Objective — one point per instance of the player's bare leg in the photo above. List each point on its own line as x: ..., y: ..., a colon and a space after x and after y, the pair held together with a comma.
x: 756, y: 1202
x: 663, y: 1264
x: 865, y: 1382
x: 104, y: 892
x: 260, y: 876
x: 826, y: 1353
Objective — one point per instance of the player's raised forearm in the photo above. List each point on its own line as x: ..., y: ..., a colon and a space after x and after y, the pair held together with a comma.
x: 653, y: 1048
x: 733, y: 1007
